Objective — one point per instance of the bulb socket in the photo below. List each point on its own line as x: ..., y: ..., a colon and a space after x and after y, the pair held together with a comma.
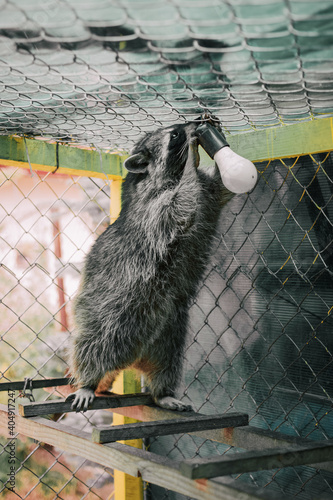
x: 210, y: 139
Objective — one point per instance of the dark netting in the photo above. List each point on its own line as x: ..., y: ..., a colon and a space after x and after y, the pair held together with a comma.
x: 260, y: 335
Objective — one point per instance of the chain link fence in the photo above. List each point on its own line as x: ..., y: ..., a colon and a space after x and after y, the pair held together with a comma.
x: 102, y: 74
x: 47, y: 224
x: 261, y: 326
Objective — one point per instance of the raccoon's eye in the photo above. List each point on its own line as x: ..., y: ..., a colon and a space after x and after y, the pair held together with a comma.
x: 174, y: 135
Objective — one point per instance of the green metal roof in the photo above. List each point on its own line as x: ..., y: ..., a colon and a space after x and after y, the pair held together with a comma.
x: 102, y: 73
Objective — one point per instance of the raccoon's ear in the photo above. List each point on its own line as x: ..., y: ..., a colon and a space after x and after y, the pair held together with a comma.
x: 137, y: 163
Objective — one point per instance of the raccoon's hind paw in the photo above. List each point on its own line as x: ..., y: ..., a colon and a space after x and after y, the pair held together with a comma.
x: 170, y: 403
x: 82, y: 398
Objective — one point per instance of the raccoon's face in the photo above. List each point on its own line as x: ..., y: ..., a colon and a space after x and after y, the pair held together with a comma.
x: 162, y: 154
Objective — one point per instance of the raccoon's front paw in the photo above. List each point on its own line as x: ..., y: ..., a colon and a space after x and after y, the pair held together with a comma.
x: 193, y: 153
x: 170, y: 403
x: 82, y: 398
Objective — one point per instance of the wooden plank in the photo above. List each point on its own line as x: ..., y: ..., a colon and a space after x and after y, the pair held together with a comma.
x: 136, y: 462
x: 257, y: 460
x: 195, y: 422
x: 99, y: 403
x: 42, y: 156
x: 35, y: 384
x: 248, y: 438
x: 254, y: 438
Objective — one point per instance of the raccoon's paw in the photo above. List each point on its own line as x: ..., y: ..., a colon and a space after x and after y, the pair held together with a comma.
x: 82, y: 398
x: 170, y: 403
x: 193, y: 154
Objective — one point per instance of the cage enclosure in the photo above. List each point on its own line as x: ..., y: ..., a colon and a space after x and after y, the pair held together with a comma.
x: 80, y: 83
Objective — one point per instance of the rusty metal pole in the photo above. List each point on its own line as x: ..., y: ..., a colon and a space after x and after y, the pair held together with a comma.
x: 60, y: 279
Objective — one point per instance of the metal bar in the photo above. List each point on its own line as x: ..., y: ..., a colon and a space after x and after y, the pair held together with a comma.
x: 166, y: 427
x: 99, y: 403
x: 35, y: 384
x: 59, y: 279
x: 255, y: 461
x: 71, y: 160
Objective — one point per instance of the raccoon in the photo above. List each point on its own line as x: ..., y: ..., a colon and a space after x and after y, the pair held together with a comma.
x: 142, y: 272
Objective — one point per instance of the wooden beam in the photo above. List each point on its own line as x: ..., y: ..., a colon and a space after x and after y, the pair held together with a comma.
x: 136, y: 462
x: 257, y: 460
x: 193, y: 423
x: 248, y: 438
x: 46, y: 156
x: 99, y: 403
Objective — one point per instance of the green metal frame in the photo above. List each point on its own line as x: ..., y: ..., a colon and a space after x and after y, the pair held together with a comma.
x: 66, y: 159
x: 280, y: 142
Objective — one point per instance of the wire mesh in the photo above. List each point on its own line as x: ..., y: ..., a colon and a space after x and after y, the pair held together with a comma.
x: 259, y: 339
x: 260, y: 330
x: 104, y: 72
x: 48, y: 223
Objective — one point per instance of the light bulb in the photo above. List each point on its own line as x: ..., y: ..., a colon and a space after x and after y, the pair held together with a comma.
x: 238, y: 174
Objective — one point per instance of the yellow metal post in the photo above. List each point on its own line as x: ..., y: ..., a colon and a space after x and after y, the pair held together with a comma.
x: 115, y: 199
x: 125, y: 487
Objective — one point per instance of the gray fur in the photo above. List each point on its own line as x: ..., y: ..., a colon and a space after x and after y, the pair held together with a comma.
x: 143, y: 271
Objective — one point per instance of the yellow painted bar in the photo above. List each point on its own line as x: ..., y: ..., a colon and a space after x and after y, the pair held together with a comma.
x: 127, y: 487
x: 60, y: 170
x: 115, y: 199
